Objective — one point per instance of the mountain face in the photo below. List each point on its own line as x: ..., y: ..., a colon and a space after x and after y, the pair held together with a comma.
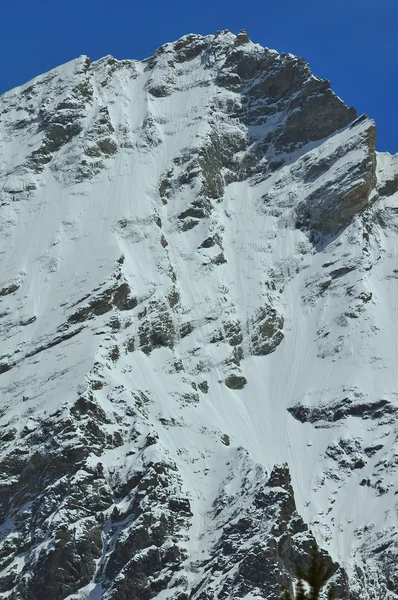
x: 198, y: 323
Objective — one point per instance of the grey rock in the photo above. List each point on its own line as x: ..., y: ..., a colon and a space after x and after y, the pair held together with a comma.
x: 266, y: 331
x: 331, y: 206
x: 10, y: 289
x: 235, y: 382
x: 157, y: 332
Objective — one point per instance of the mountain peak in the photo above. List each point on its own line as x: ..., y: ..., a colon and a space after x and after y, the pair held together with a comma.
x: 197, y: 371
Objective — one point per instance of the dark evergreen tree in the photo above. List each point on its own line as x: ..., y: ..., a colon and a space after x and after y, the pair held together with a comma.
x: 316, y: 577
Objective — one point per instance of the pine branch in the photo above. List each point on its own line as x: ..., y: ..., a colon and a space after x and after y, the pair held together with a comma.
x: 300, y: 591
x: 317, y: 576
x: 286, y: 594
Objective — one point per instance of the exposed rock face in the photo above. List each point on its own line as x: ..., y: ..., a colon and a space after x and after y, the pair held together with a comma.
x: 197, y: 319
x: 266, y: 331
x: 340, y: 194
x: 252, y: 558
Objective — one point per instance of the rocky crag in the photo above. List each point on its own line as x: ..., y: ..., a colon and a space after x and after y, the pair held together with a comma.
x: 198, y: 285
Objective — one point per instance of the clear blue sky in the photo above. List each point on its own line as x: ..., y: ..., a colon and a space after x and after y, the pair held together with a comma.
x: 354, y: 43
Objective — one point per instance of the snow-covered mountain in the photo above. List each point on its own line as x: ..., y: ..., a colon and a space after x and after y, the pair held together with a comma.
x: 199, y: 335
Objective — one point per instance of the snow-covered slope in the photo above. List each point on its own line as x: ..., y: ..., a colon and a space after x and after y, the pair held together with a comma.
x: 198, y: 330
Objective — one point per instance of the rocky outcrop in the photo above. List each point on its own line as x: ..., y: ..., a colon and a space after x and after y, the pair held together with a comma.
x: 127, y: 523
x: 10, y: 289
x: 118, y: 297
x: 261, y: 545
x: 341, y: 194
x: 235, y: 382
x: 265, y: 331
x: 349, y: 406
x: 156, y: 329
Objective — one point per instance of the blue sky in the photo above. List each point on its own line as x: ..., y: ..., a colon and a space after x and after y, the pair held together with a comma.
x: 353, y: 43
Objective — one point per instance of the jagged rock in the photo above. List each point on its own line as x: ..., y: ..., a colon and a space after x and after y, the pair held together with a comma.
x: 230, y: 331
x: 118, y: 297
x: 107, y: 146
x: 333, y: 203
x: 266, y: 331
x: 122, y: 298
x: 235, y: 382
x: 157, y: 332
x: 242, y: 38
x: 203, y: 386
x: 341, y: 409
x: 208, y: 243
x: 390, y: 187
x: 225, y: 439
x: 249, y: 562
x: 9, y: 289
x: 4, y: 367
